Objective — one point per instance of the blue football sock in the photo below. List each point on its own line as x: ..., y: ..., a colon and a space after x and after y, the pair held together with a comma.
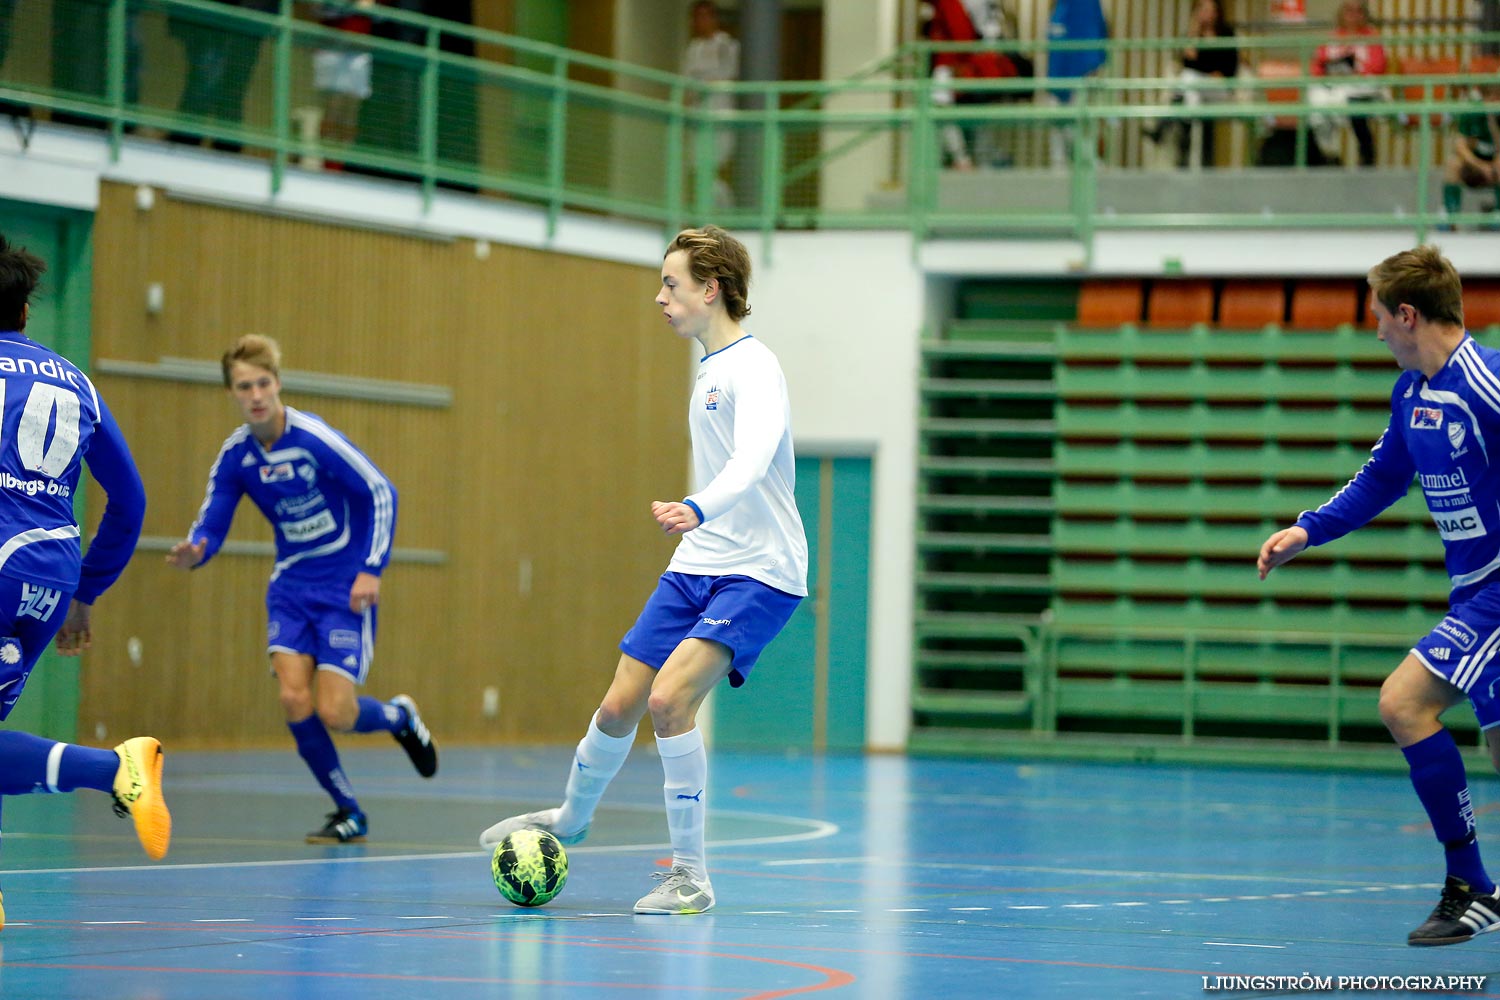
x: 376, y: 716
x: 1437, y: 773
x: 32, y: 764
x: 322, y: 758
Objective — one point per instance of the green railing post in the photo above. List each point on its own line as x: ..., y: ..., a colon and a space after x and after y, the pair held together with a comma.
x: 281, y: 95
x: 1085, y: 160
x: 115, y: 68
x: 1424, y: 164
x: 427, y: 117
x: 1335, y: 689
x: 925, y: 162
x: 705, y: 162
x: 1189, y: 687
x: 770, y: 169
x: 1299, y: 158
x: 557, y: 143
x: 676, y: 155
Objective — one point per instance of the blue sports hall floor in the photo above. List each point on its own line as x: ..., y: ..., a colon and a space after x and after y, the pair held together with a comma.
x: 839, y: 877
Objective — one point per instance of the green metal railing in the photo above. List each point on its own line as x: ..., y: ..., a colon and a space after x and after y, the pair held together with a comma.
x: 573, y: 132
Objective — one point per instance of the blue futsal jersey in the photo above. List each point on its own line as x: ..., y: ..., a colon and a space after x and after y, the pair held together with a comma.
x: 333, y: 511
x: 1441, y: 433
x: 51, y: 417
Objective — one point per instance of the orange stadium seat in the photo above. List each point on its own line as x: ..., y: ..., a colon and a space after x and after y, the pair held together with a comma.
x: 1322, y: 304
x: 1251, y: 305
x: 1179, y: 304
x: 1484, y: 65
x: 1440, y: 66
x: 1277, y: 69
x: 1481, y: 304
x: 1109, y: 302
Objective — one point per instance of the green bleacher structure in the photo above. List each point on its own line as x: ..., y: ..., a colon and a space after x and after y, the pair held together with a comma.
x: 1097, y: 475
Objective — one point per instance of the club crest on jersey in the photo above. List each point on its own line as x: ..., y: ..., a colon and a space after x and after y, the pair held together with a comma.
x: 711, y: 401
x: 278, y: 473
x: 1425, y: 418
x: 1456, y: 432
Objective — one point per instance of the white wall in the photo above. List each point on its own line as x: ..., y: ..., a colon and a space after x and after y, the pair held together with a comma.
x: 843, y: 312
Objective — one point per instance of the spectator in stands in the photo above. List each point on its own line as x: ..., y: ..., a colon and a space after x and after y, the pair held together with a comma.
x: 1471, y: 161
x: 713, y: 56
x: 1444, y: 407
x: 1344, y: 61
x: 1201, y: 63
x: 341, y: 73
x: 966, y: 21
x: 220, y: 61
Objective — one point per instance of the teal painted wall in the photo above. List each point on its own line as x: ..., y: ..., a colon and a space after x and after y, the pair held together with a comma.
x: 60, y: 318
x: 807, y: 691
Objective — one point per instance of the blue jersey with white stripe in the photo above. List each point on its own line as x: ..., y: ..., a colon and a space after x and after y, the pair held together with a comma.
x: 1442, y: 432
x: 51, y: 417
x: 333, y: 511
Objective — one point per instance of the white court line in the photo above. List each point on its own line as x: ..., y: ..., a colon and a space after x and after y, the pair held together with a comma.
x: 222, y: 920
x: 825, y: 861
x: 819, y: 830
x: 1241, y: 944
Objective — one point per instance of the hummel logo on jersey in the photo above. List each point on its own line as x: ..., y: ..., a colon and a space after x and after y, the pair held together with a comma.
x: 350, y: 662
x: 1440, y: 653
x: 1426, y: 419
x: 692, y: 798
x: 711, y: 401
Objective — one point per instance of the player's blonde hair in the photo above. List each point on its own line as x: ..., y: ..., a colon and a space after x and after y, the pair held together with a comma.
x: 1423, y: 279
x: 253, y: 349
x: 713, y: 253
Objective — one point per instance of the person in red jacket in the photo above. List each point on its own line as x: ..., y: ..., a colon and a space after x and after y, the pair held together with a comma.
x: 1355, y: 52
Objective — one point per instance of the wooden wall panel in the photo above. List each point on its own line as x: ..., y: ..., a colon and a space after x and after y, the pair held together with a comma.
x: 569, y: 397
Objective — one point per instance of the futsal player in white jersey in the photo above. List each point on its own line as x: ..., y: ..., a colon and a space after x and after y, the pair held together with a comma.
x: 334, y: 514
x: 735, y: 578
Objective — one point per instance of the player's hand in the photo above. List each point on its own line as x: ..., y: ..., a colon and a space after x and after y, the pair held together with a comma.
x: 675, y: 518
x: 75, y: 635
x: 1281, y: 547
x: 365, y: 593
x: 186, y: 554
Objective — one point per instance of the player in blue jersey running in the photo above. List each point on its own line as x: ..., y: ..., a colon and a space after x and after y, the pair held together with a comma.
x: 1445, y: 416
x: 736, y: 576
x: 51, y: 421
x: 334, y: 515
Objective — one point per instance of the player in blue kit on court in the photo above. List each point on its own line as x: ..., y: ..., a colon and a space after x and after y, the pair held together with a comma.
x: 1445, y: 418
x: 334, y: 515
x: 734, y: 580
x: 51, y: 421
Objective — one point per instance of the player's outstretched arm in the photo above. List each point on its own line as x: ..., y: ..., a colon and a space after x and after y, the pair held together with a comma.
x: 1282, y: 547
x: 186, y: 554
x: 76, y: 634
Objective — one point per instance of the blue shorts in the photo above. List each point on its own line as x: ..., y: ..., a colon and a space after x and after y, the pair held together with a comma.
x: 30, y: 615
x: 739, y: 612
x: 1461, y: 650
x: 312, y: 625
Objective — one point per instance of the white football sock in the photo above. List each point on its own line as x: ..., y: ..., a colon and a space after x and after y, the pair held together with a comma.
x: 595, y: 763
x: 684, y: 762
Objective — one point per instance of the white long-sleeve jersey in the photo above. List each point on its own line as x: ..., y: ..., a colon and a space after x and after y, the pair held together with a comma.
x: 744, y: 472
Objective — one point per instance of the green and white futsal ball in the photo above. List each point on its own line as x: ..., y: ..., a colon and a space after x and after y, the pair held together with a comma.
x: 530, y: 867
